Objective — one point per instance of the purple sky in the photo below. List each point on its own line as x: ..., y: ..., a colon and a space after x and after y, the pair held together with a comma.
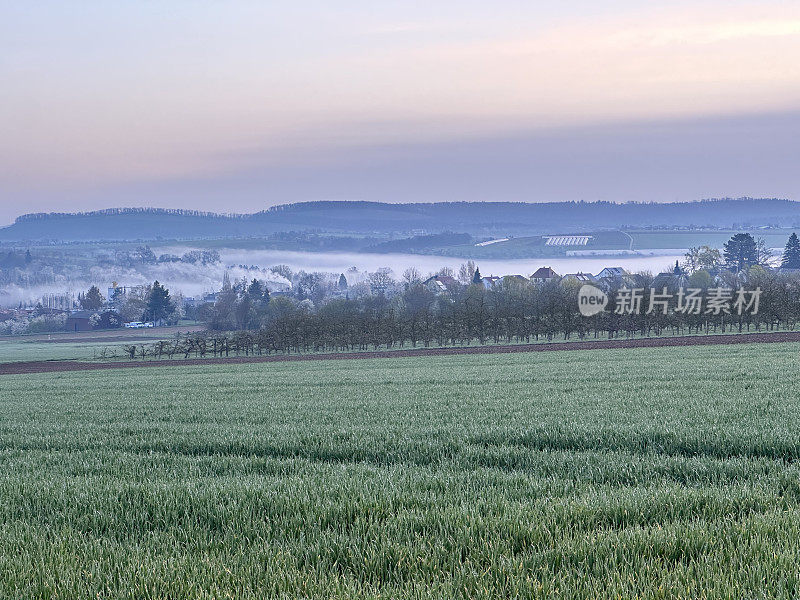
x: 237, y: 106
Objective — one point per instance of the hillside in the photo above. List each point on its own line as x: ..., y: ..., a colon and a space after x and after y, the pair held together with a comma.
x: 475, y: 218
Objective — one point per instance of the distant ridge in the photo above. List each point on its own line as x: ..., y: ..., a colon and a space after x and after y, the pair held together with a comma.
x: 126, y: 211
x: 356, y: 217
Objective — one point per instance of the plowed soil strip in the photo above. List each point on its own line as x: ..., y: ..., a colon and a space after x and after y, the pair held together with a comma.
x: 18, y: 368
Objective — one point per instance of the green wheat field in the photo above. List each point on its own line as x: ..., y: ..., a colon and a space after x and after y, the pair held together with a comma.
x: 653, y: 473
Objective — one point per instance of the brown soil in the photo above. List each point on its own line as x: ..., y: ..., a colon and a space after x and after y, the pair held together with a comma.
x: 703, y: 340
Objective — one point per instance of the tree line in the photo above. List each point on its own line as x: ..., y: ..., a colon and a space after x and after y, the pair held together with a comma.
x: 510, y: 312
x: 246, y: 320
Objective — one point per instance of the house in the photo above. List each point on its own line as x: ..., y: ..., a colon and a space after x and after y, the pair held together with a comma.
x: 197, y: 301
x: 667, y: 280
x: 617, y: 277
x: 543, y: 275
x: 675, y: 278
x: 440, y: 284
x: 79, y: 320
x: 579, y: 277
x: 612, y: 273
x: 489, y: 282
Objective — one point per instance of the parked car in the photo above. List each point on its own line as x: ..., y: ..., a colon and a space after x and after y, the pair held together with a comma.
x: 139, y: 325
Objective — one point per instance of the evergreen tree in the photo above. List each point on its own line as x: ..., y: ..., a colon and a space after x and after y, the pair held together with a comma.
x: 256, y: 291
x: 791, y: 254
x: 342, y: 282
x: 740, y: 252
x: 476, y: 278
x: 92, y: 300
x: 159, y: 304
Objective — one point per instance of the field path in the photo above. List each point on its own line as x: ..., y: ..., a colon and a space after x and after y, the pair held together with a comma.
x: 57, y: 366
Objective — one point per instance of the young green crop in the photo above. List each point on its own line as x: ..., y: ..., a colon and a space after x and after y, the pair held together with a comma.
x: 654, y: 472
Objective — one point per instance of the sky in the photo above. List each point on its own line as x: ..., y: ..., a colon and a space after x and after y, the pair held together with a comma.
x: 236, y: 106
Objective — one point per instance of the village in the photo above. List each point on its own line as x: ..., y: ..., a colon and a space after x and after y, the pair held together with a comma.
x: 124, y: 306
x: 243, y: 303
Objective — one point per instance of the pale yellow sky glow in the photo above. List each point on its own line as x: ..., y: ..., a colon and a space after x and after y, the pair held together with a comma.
x: 110, y: 100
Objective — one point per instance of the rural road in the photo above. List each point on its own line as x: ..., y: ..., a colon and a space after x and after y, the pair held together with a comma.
x: 56, y: 366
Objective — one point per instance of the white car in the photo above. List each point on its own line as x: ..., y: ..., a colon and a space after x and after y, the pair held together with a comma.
x: 139, y: 325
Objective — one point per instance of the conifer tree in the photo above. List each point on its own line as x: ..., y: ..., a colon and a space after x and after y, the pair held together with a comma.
x: 791, y: 254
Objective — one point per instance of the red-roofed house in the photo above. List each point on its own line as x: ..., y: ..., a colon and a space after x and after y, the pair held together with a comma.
x: 543, y: 275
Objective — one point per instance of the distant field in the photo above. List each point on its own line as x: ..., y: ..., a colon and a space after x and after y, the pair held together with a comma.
x: 109, y: 350
x: 105, y: 334
x: 18, y: 351
x: 534, y: 246
x: 70, y: 345
x: 775, y: 238
x: 652, y: 472
x: 517, y: 247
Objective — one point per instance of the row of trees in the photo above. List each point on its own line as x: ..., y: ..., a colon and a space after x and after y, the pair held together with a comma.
x: 512, y: 311
x: 741, y: 252
x: 145, y: 255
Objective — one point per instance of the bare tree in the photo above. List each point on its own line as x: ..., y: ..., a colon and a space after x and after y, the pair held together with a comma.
x: 702, y: 257
x: 764, y: 253
x: 411, y: 277
x: 466, y: 272
x: 381, y: 281
x: 283, y: 271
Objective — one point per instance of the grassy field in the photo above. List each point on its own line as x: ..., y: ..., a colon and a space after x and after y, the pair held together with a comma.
x: 654, y: 472
x: 85, y: 345
x: 94, y: 349
x: 17, y: 351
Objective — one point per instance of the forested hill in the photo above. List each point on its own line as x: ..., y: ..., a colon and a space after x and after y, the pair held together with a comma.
x: 477, y: 218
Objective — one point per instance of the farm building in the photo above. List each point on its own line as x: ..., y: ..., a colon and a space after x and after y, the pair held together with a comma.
x: 79, y: 321
x: 567, y: 240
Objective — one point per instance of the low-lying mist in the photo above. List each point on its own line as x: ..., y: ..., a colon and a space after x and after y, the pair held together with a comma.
x: 196, y: 279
